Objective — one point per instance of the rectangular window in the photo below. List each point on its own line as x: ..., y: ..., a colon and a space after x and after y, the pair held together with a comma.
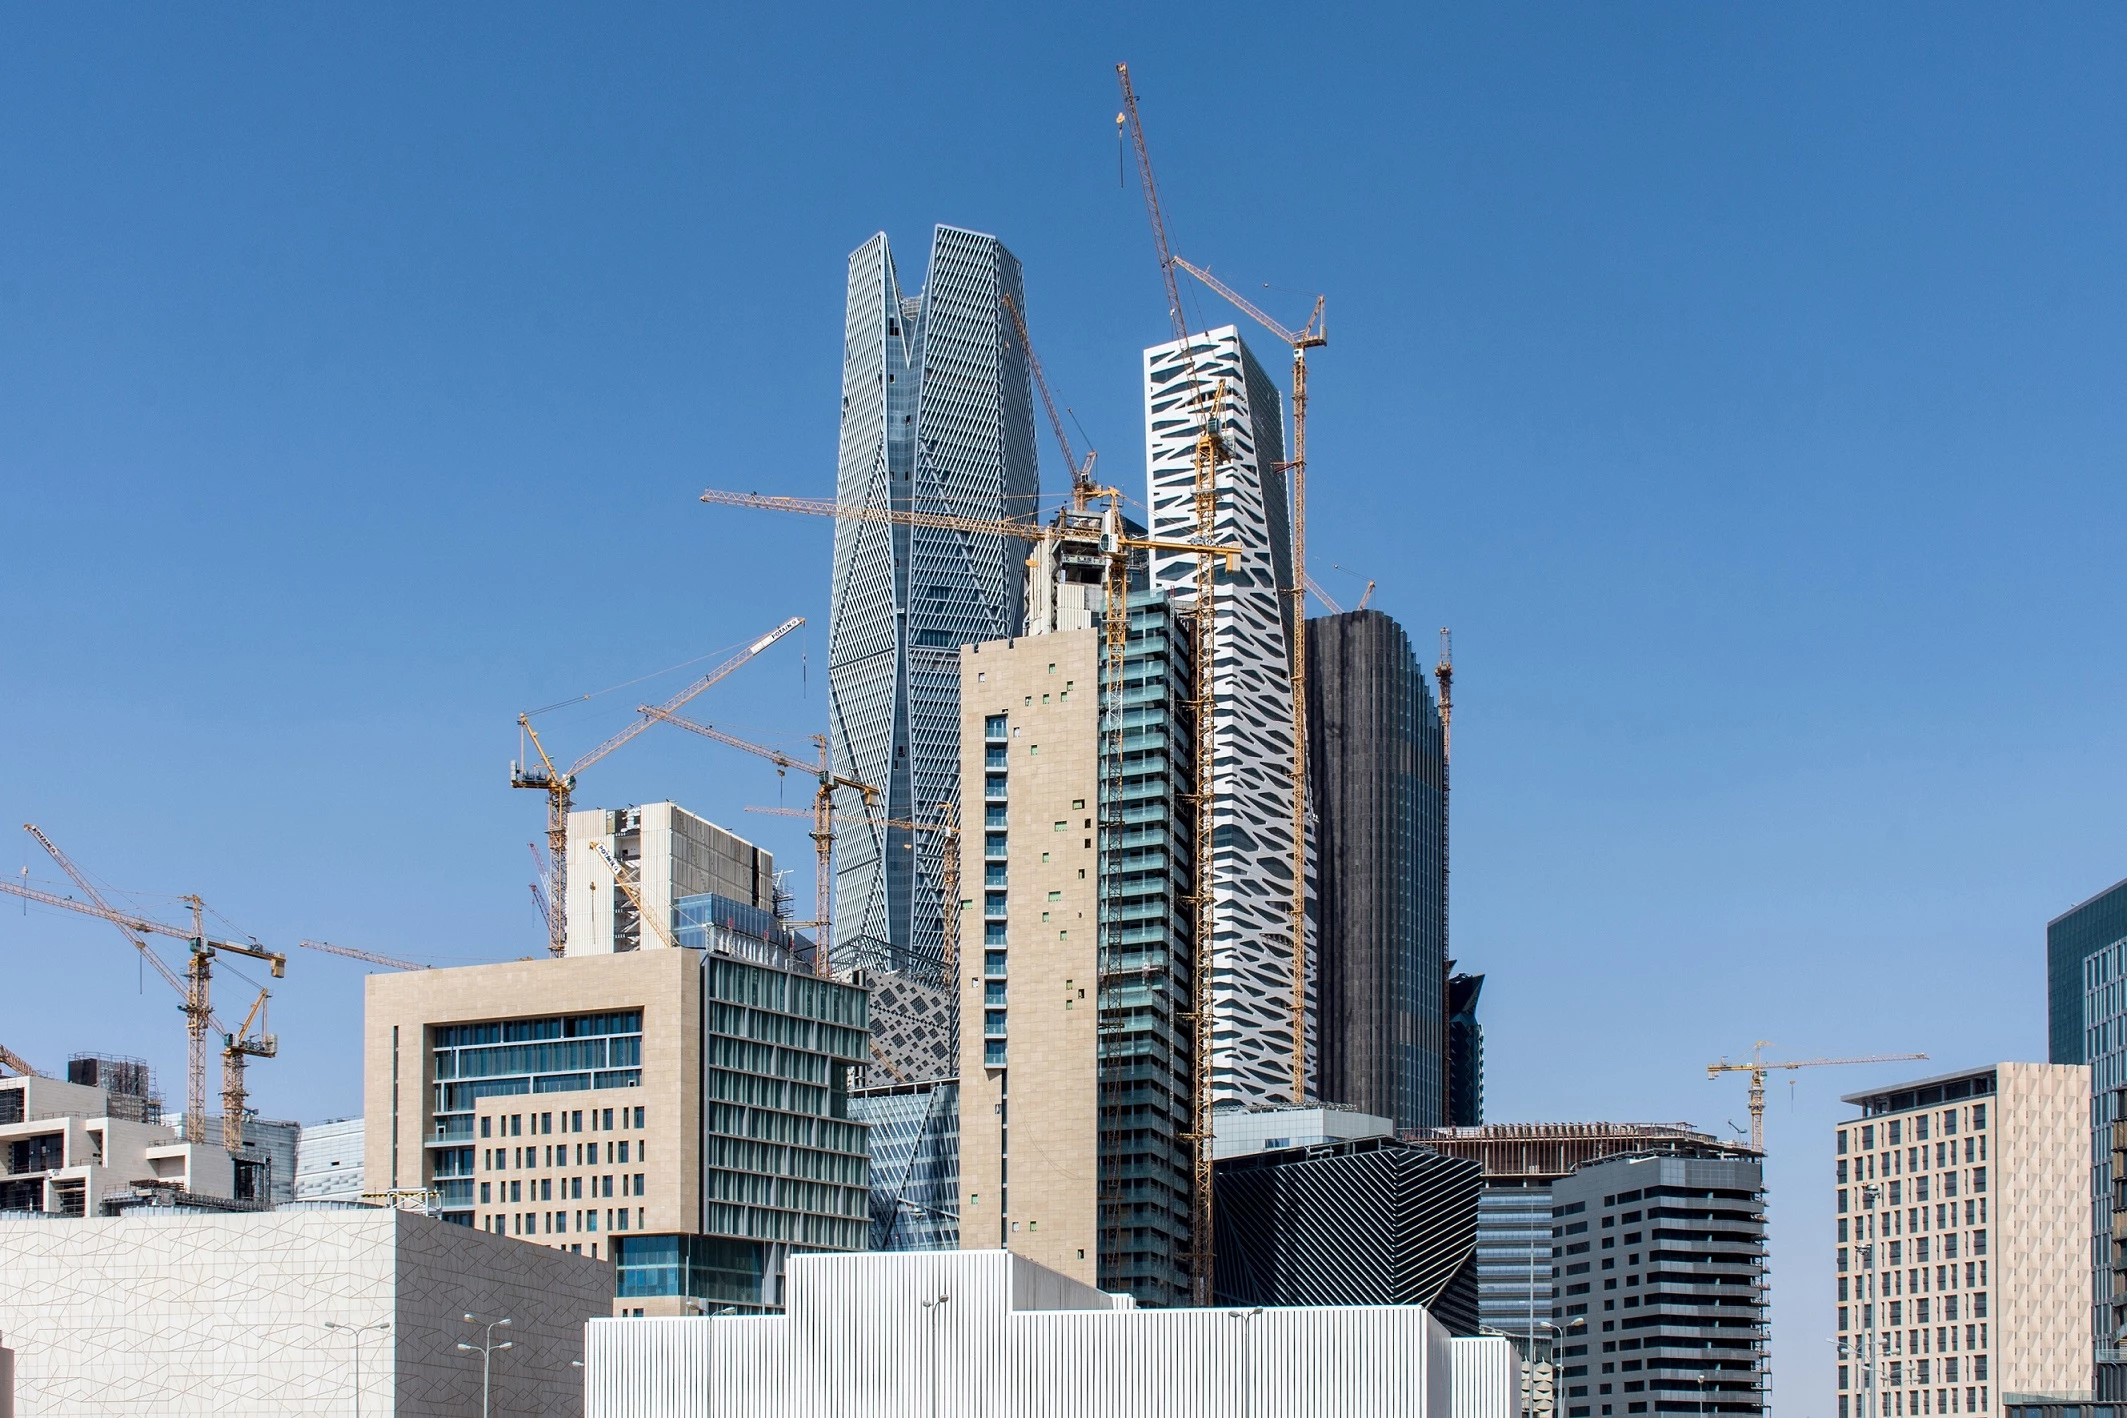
x: 484, y: 1193
x: 1979, y: 1179
x: 624, y: 1152
x: 993, y: 962
x: 638, y: 1117
x: 993, y: 992
x: 1949, y: 1122
x: 1979, y: 1124
x: 993, y: 726
x: 993, y: 1053
x: 993, y: 786
x: 1920, y: 1128
x: 484, y: 1122
x: 993, y: 1023
x: 1894, y: 1134
x: 1868, y: 1138
x: 1979, y: 1243
x: 1842, y: 1142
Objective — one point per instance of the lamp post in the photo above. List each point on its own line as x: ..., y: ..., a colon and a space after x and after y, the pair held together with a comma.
x: 931, y: 1309
x: 487, y: 1348
x: 357, y: 1331
x: 1247, y: 1375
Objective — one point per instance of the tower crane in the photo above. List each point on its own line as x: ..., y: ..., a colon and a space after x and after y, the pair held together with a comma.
x: 559, y: 785
x: 193, y: 987
x: 1210, y: 453
x: 823, y: 811
x: 948, y: 826
x: 1313, y: 335
x: 369, y: 955
x: 1757, y: 1065
x: 1083, y: 488
x: 13, y: 1060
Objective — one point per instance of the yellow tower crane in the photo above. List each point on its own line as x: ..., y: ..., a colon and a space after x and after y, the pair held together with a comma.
x: 1757, y: 1065
x: 823, y: 814
x: 1313, y: 335
x: 369, y: 955
x: 193, y: 988
x: 559, y: 785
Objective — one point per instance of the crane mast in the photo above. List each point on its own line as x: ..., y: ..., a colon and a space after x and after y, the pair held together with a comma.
x: 1757, y: 1066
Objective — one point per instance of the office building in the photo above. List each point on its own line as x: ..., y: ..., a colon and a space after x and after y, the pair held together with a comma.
x: 681, y: 1112
x: 987, y: 1332
x: 2110, y: 1249
x: 1963, y: 1236
x: 701, y: 878
x: 1272, y: 1127
x: 1378, y: 780
x: 1251, y: 955
x: 1522, y: 1162
x: 64, y: 1153
x: 1355, y: 1221
x: 2103, y: 1046
x: 316, y: 1312
x: 328, y: 1161
x: 265, y: 1164
x: 1077, y: 960
x: 915, y: 1163
x: 1465, y: 1052
x: 937, y: 416
x: 2072, y: 938
x: 1659, y: 1299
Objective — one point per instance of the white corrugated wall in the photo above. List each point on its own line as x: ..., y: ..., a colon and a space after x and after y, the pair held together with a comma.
x: 858, y: 1343
x: 1487, y: 1378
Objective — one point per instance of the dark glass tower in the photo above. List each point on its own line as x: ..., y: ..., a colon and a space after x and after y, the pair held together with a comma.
x: 1465, y: 1052
x: 2073, y: 937
x: 1376, y: 776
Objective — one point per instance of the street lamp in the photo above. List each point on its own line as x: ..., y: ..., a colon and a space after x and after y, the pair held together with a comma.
x: 358, y: 1330
x: 931, y: 1309
x: 486, y: 1349
x: 1247, y: 1376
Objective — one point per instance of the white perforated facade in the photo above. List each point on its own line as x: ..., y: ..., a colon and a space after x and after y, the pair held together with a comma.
x: 937, y: 417
x: 1251, y: 956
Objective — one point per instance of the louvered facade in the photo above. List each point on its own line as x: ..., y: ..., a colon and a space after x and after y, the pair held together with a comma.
x: 1368, y: 1222
x: 936, y: 417
x: 1251, y: 945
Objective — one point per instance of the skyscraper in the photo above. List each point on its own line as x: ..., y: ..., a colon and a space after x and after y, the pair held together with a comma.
x: 1251, y: 947
x: 937, y: 417
x: 1381, y: 940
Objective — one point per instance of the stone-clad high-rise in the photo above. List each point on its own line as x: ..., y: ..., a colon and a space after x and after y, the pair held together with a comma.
x: 937, y: 416
x: 1251, y: 946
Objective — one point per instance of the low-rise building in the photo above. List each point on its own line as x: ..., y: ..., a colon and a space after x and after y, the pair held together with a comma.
x: 305, y: 1312
x: 989, y: 1332
x: 1963, y: 1241
x: 63, y: 1154
x: 328, y: 1161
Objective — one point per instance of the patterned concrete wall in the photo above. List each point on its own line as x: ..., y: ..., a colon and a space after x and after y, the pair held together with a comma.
x: 2042, y: 1207
x: 194, y: 1314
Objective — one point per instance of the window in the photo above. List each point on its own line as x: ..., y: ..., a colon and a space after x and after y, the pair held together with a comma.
x: 993, y: 992
x: 993, y: 1022
x: 1979, y: 1124
x: 1078, y: 804
x: 1063, y: 826
x: 638, y: 1117
x: 1893, y: 1142
x: 1842, y: 1142
x: 993, y: 962
x: 484, y: 1122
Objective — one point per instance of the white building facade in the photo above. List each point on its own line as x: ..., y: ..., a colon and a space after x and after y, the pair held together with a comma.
x: 328, y: 1161
x: 987, y: 1334
x: 1251, y: 948
x: 174, y: 1313
x: 1962, y: 1246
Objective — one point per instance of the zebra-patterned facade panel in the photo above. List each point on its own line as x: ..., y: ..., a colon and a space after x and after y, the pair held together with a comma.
x: 1251, y: 948
x: 937, y: 417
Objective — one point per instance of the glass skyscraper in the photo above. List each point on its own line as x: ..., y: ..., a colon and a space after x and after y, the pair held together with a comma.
x: 937, y: 417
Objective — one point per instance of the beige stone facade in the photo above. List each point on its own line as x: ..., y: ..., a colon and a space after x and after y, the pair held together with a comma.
x: 1029, y: 1047
x: 565, y: 1169
x: 1962, y: 1248
x: 75, y: 1156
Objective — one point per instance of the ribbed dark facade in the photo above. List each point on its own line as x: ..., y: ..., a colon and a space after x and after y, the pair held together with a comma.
x: 1371, y: 1222
x: 1374, y: 748
x: 1465, y: 1052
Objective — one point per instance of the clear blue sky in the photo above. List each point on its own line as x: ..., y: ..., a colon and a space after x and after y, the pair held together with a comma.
x: 1741, y: 384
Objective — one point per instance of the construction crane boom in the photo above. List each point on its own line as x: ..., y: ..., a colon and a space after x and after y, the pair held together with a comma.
x: 13, y: 1060
x: 1082, y: 486
x: 1323, y: 596
x: 369, y: 955
x: 625, y: 880
x: 194, y: 988
x: 1152, y: 201
x: 1313, y: 335
x: 823, y: 832
x: 1757, y: 1066
x: 560, y: 786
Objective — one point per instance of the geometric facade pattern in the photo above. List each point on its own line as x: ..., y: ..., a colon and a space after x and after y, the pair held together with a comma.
x: 1251, y: 946
x: 1367, y: 1222
x: 1376, y: 779
x: 171, y: 1313
x: 915, y: 1165
x: 937, y: 417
